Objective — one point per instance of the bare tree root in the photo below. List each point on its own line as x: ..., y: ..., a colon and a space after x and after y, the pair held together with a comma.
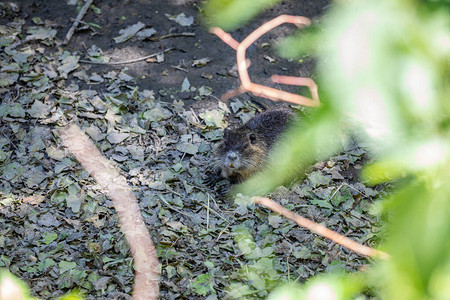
x: 146, y: 283
x: 320, y: 229
x: 261, y: 90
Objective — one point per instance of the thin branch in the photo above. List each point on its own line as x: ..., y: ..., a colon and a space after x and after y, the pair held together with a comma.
x: 171, y: 35
x: 126, y: 61
x: 225, y: 37
x: 320, y: 229
x: 300, y: 81
x: 77, y: 21
x: 25, y: 40
x: 232, y: 93
x: 146, y: 282
x: 261, y: 90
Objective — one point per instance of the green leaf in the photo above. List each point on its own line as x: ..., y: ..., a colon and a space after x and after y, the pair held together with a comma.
x: 64, y: 165
x: 129, y: 32
x: 322, y: 203
x: 239, y: 290
x: 115, y: 137
x: 58, y: 197
x: 95, y: 9
x: 276, y: 220
x: 202, y: 285
x: 420, y: 251
x: 185, y: 85
x: 171, y: 271
x: 74, y: 198
x: 7, y: 79
x: 73, y: 295
x: 213, y: 118
x: 187, y: 148
x: 209, y: 264
x: 48, y: 262
x: 303, y: 253
x: 244, y: 240
x: 182, y: 19
x: 49, y: 237
x: 65, y: 266
x: 68, y: 64
x: 16, y: 111
x: 157, y: 114
x: 34, y: 176
x: 41, y: 33
x: 341, y: 196
x: 316, y: 178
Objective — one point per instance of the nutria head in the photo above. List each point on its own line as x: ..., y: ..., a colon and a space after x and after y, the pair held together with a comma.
x: 241, y: 153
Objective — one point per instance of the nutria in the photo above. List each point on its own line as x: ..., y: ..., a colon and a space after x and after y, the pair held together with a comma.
x: 244, y: 150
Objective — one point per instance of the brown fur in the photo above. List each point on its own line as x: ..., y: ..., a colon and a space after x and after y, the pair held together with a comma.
x: 243, y: 151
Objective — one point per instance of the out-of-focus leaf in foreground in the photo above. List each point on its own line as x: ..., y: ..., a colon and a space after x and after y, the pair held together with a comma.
x: 419, y: 230
x: 335, y: 285
x: 230, y: 14
x: 384, y: 72
x: 13, y: 288
x: 387, y: 71
x: 305, y: 42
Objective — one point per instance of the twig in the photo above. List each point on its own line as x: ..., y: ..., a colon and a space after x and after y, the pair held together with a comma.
x: 225, y: 37
x: 170, y: 35
x: 77, y: 21
x: 208, y: 208
x: 261, y: 90
x: 18, y: 43
x: 232, y: 93
x: 114, y: 277
x: 126, y: 61
x: 337, y: 190
x: 300, y: 81
x: 222, y: 231
x: 171, y: 207
x: 207, y: 216
x: 10, y: 142
x: 216, y: 213
x: 179, y: 68
x: 320, y: 229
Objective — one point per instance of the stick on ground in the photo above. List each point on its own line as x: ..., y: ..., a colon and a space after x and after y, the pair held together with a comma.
x: 77, y: 21
x: 320, y: 229
x: 130, y: 61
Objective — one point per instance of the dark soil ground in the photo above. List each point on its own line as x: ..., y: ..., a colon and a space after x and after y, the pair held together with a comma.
x: 59, y: 232
x: 169, y: 75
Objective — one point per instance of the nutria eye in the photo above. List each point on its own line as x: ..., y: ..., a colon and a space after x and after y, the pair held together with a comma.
x: 252, y: 138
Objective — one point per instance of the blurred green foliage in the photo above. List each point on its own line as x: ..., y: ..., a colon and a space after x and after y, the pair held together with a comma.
x: 230, y: 14
x: 384, y: 72
x: 304, y: 42
x: 13, y: 288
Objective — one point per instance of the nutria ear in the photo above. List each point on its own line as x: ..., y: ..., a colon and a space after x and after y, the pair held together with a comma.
x: 252, y: 138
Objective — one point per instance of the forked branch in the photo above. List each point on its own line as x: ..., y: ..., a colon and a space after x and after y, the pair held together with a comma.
x: 260, y: 90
